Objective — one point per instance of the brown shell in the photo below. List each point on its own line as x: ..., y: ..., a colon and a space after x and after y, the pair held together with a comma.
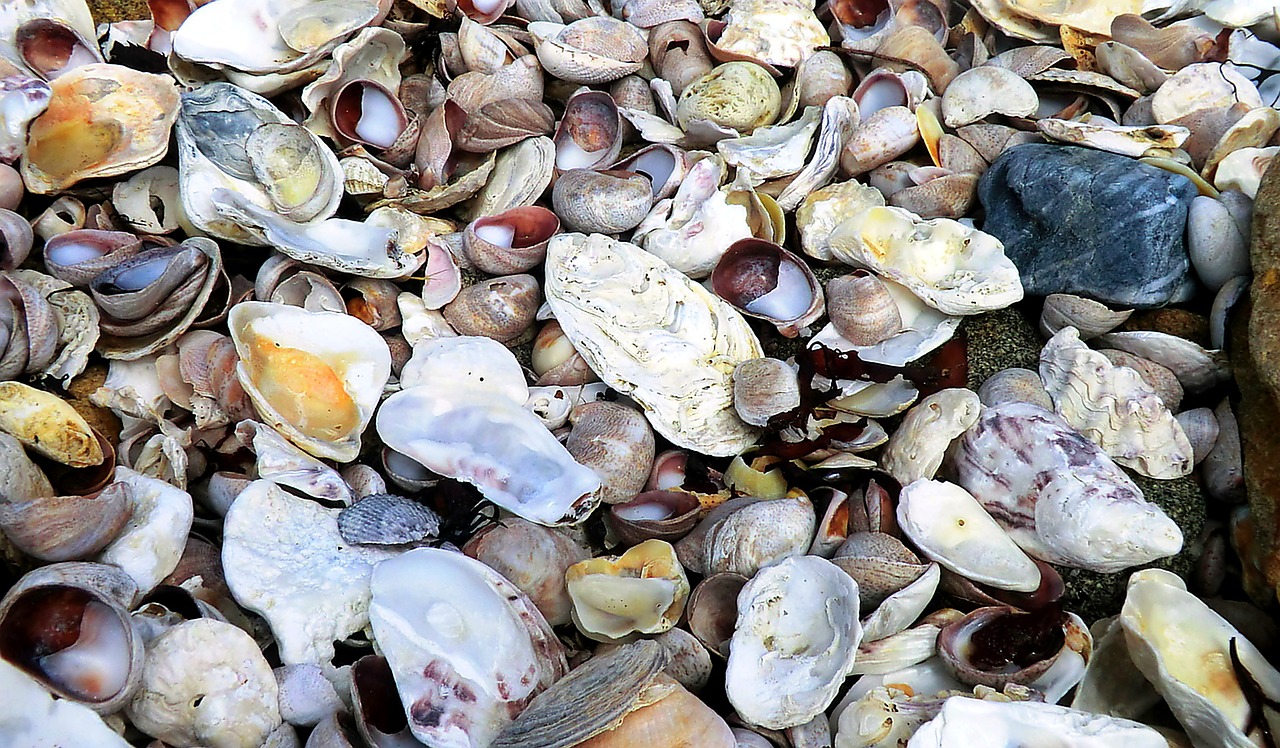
x: 616, y: 442
x: 880, y: 564
x: 712, y: 610
x: 66, y: 528
x: 632, y: 524
x: 500, y: 308
x: 532, y: 227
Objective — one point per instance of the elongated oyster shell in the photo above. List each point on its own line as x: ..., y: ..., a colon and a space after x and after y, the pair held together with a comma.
x: 1114, y: 407
x: 284, y: 559
x: 796, y: 638
x: 1057, y: 494
x: 494, y: 444
x: 1188, y: 652
x: 468, y: 649
x: 955, y: 269
x: 654, y: 335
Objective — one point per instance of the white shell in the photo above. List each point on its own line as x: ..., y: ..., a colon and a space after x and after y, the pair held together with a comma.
x: 1126, y: 141
x: 796, y: 637
x: 478, y: 364
x: 985, y: 90
x: 494, y: 444
x: 905, y: 648
x: 902, y: 608
x: 926, y: 329
x: 1114, y: 408
x: 1057, y: 494
x: 1017, y: 723
x: 691, y: 230
x: 310, y: 359
x: 949, y: 526
x: 1243, y: 169
x: 30, y: 716
x: 1090, y: 318
x: 1197, y: 369
x: 205, y: 682
x: 953, y: 268
x: 280, y: 462
x: 1112, y: 684
x: 655, y: 336
x: 306, y: 696
x: 468, y: 649
x: 149, y: 546
x: 285, y: 560
x: 779, y: 32
x: 916, y: 449
x: 774, y: 151
x: 1184, y: 649
x: 825, y: 209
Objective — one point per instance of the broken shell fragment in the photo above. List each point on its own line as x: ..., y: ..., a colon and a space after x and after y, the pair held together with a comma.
x: 48, y: 425
x: 1089, y: 317
x: 978, y: 93
x: 642, y: 591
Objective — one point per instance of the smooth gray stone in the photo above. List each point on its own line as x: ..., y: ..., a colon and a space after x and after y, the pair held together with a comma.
x: 1095, y: 224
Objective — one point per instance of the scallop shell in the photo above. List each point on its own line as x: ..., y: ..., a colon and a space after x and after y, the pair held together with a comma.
x: 1114, y: 408
x: 666, y: 345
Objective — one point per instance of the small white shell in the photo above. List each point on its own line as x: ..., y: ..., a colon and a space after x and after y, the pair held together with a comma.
x: 949, y: 526
x: 691, y: 230
x: 796, y: 637
x: 1114, y: 408
x: 151, y: 543
x: 478, y: 364
x: 916, y: 449
x: 205, y: 682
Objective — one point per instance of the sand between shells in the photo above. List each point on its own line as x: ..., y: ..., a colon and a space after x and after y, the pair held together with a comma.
x: 542, y: 373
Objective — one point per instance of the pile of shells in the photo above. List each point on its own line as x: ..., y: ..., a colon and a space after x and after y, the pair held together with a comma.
x: 539, y: 373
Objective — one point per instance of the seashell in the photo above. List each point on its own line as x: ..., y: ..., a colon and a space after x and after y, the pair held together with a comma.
x: 1223, y: 469
x: 1112, y: 684
x: 949, y: 526
x: 774, y: 151
x: 1014, y: 385
x: 654, y: 515
x: 1167, y: 629
x: 456, y: 693
x: 387, y: 519
x: 925, y: 329
x: 692, y: 230
x: 941, y: 196
x: 556, y: 361
x: 758, y: 479
x: 151, y: 542
x: 776, y: 32
x: 970, y: 271
x: 23, y: 98
x: 687, y: 399
x: 902, y: 608
x: 1157, y: 377
x: 77, y: 256
x: 820, y: 77
x: 1113, y: 407
x: 617, y: 443
x: 1069, y: 504
x: 876, y: 400
x: 373, y: 301
x: 593, y: 50
x: 839, y: 118
x: 533, y: 558
x: 67, y: 626
x: 51, y: 721
x: 206, y: 681
x: 642, y: 591
x: 904, y: 648
x: 11, y: 188
x: 916, y: 449
x: 451, y: 430
x: 764, y: 388
x: 862, y: 309
x: 589, y: 135
x: 739, y: 95
x: 84, y: 134
x: 1196, y: 369
x: 666, y: 167
x: 355, y: 100
x: 880, y: 564
x: 712, y: 610
x: 879, y: 139
x: 1201, y: 427
x: 500, y: 308
x: 1201, y: 85
x: 47, y: 425
x: 1018, y: 721
x: 604, y: 202
x: 649, y: 13
x: 783, y: 675
x: 982, y: 91
x: 480, y: 365
x: 132, y: 199
x: 312, y: 589
x: 306, y: 696
x: 64, y: 528
x: 1039, y: 661
x: 1254, y: 129
x: 20, y: 478
x: 1126, y: 141
x: 763, y: 280
x: 1089, y: 317
x: 16, y: 239
x: 313, y: 376
x: 378, y: 716
x: 826, y: 208
x: 744, y: 535
x: 1243, y: 169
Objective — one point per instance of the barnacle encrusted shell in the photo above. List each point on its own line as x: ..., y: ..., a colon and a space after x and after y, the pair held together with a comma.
x: 205, y: 682
x: 953, y: 268
x: 1196, y: 661
x: 313, y: 376
x: 103, y: 120
x: 779, y: 32
x: 285, y: 560
x: 1057, y: 494
x: 655, y: 336
x: 1114, y: 408
x: 468, y: 649
x: 796, y: 637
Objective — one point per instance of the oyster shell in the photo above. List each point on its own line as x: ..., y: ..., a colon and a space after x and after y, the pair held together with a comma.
x: 692, y: 229
x: 655, y: 336
x: 285, y: 559
x: 313, y: 376
x: 796, y: 637
x: 778, y: 32
x: 1114, y: 408
x: 916, y: 449
x: 953, y: 268
x: 1057, y: 494
x: 48, y: 425
x: 469, y: 651
x: 152, y: 541
x: 1014, y: 723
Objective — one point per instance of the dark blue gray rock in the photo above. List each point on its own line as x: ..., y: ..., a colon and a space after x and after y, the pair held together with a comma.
x: 1076, y: 220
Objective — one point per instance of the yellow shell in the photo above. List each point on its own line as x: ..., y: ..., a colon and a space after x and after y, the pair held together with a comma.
x: 741, y: 95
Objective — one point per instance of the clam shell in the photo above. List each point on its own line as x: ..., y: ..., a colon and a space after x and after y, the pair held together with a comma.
x: 916, y: 449
x: 617, y: 443
x: 499, y: 308
x: 65, y: 528
x: 592, y: 50
x: 763, y: 280
x: 602, y: 202
x: 533, y: 558
x: 978, y: 93
x: 764, y: 388
x: 642, y: 591
x: 1089, y: 317
x: 660, y: 515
